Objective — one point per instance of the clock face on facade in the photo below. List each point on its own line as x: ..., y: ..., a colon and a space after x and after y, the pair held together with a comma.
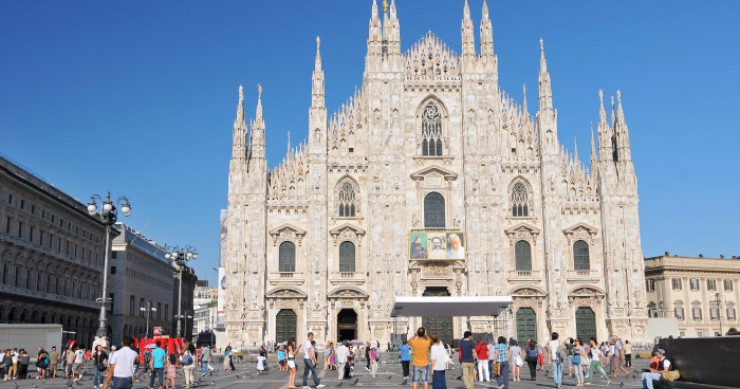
x: 223, y: 283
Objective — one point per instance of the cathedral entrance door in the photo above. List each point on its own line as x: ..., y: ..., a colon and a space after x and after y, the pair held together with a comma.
x: 585, y: 323
x: 346, y: 325
x: 526, y: 325
x: 441, y: 325
x: 285, y: 325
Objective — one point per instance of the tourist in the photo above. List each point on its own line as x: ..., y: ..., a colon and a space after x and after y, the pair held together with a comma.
x: 309, y: 361
x: 439, y: 362
x: 262, y: 360
x: 7, y: 363
x: 420, y: 345
x: 100, y: 358
x: 227, y: 358
x: 327, y: 355
x: 205, y: 359
x: 342, y: 357
x: 540, y: 357
x: 616, y: 358
x: 282, y: 366
x: 14, y: 367
x: 579, y: 354
x: 188, y: 365
x: 292, y: 351
x: 373, y: 361
x: 530, y: 355
x: 147, y: 359
x: 481, y: 351
x: 627, y: 354
x: 450, y: 362
x: 516, y: 361
x: 171, y: 371
x: 23, y: 363
x: 554, y: 348
x: 405, y: 359
x: 502, y: 358
x: 467, y: 359
x: 79, y: 363
x: 367, y: 356
x: 121, y: 366
x: 42, y: 362
x: 595, y: 365
x: 158, y: 362
x: 53, y: 361
x: 656, y: 369
x: 69, y: 361
x: 491, y: 352
x: 569, y: 345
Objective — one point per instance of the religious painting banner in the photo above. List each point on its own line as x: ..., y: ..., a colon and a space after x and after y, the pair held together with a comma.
x: 436, y: 245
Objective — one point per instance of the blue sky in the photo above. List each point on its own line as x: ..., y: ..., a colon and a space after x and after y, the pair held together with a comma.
x: 139, y: 97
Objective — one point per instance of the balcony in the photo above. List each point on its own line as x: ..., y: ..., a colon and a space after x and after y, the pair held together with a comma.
x: 286, y: 278
x: 347, y: 278
x: 582, y: 275
x: 525, y: 275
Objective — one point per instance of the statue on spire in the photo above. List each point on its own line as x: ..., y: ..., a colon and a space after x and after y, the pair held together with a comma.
x: 385, y: 6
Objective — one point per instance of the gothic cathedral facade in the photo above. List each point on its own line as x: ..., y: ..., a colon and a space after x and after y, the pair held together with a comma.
x: 429, y: 155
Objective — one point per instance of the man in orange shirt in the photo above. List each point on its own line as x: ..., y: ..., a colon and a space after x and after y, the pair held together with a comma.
x: 420, y: 345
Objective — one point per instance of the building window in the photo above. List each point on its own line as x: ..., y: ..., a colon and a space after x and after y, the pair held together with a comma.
x: 28, y: 279
x: 142, y: 307
x: 346, y: 198
x: 131, y: 305
x: 23, y: 204
x: 728, y: 285
x: 431, y: 131
x: 5, y: 273
x: 10, y: 198
x: 519, y: 200
x: 696, y: 313
x: 286, y: 257
x: 347, y: 257
x: 581, y: 260
x: 41, y: 237
x: 711, y: 284
x: 112, y: 270
x: 166, y: 311
x: 731, y: 313
x: 679, y: 313
x: 20, y: 230
x: 159, y: 311
x: 694, y: 284
x: 7, y: 225
x: 714, y: 313
x: 523, y: 255
x: 650, y: 285
x: 434, y: 210
x: 30, y: 234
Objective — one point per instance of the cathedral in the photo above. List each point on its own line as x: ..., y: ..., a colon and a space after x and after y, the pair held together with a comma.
x: 432, y: 181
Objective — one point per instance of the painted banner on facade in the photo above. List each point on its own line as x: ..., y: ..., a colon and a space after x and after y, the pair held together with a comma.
x: 436, y: 245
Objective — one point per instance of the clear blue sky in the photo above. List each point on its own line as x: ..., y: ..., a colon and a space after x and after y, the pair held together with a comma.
x: 139, y: 97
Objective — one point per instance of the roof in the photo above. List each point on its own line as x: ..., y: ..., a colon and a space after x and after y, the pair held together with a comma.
x: 450, y: 306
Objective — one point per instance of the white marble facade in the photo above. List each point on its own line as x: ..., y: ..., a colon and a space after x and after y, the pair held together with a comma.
x: 431, y: 120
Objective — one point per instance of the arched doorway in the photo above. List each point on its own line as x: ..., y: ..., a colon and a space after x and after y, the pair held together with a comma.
x: 285, y: 325
x: 585, y: 323
x: 526, y: 325
x: 441, y: 325
x: 347, y: 325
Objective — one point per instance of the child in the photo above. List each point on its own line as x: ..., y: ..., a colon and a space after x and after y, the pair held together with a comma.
x: 262, y: 361
x: 171, y: 371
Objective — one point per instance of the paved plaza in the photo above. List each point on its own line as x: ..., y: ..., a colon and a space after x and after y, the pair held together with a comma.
x: 389, y: 375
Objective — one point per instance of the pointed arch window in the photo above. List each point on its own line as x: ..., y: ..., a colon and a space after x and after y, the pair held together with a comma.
x: 581, y: 257
x: 347, y: 257
x: 347, y: 201
x: 519, y: 200
x: 431, y: 131
x: 523, y: 255
x: 434, y: 210
x: 286, y: 257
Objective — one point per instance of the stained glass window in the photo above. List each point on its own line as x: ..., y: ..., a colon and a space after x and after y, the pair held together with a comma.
x: 286, y: 257
x: 523, y: 254
x: 581, y: 259
x: 434, y: 210
x: 519, y: 200
x: 347, y: 257
x: 431, y: 131
x: 346, y: 199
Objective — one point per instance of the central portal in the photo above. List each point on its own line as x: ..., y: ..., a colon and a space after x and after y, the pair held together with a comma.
x: 441, y: 325
x: 346, y: 325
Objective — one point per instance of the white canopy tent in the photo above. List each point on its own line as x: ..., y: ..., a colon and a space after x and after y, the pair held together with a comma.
x: 450, y: 306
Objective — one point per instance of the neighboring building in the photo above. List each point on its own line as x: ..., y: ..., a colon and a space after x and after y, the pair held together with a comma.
x: 51, y: 255
x: 140, y: 277
x: 430, y: 152
x: 688, y: 287
x: 204, y: 294
x: 205, y: 317
x: 188, y: 308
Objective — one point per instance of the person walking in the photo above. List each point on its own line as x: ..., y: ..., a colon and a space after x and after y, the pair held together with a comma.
x: 467, y: 359
x: 439, y: 363
x: 373, y: 361
x: 579, y: 354
x: 617, y: 357
x: 540, y: 356
x: 502, y: 358
x: 367, y: 355
x: 42, y: 362
x: 100, y: 360
x: 405, y: 359
x: 121, y: 366
x: 205, y: 359
x: 158, y: 362
x: 342, y: 357
x: 171, y: 371
x: 292, y: 351
x: 309, y: 360
x: 420, y: 345
x: 188, y: 365
x: 556, y: 359
x: 69, y: 361
x: 627, y: 354
x: 530, y: 356
x: 53, y: 362
x: 481, y: 351
x: 516, y: 361
x: 595, y: 365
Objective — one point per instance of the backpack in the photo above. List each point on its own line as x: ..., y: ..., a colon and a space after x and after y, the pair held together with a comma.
x: 147, y: 357
x: 562, y: 354
x: 532, y: 353
x: 187, y: 359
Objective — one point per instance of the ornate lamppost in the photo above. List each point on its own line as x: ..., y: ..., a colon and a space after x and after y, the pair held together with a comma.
x: 149, y: 309
x: 180, y: 257
x: 108, y: 214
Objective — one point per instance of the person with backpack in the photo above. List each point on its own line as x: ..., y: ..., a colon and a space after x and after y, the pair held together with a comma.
x: 100, y: 359
x: 147, y: 360
x: 558, y: 355
x: 188, y: 364
x: 530, y: 357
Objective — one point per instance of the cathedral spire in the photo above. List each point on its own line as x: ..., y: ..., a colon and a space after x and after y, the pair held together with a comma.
x: 593, y: 149
x: 605, y: 143
x: 374, y: 41
x: 525, y: 106
x: 575, y: 151
x: 318, y: 89
x: 622, y: 133
x: 258, y: 130
x: 468, y: 36
x: 545, y: 92
x: 392, y: 35
x: 239, y: 145
x: 486, y: 33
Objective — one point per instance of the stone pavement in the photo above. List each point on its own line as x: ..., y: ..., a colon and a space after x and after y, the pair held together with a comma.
x: 389, y: 375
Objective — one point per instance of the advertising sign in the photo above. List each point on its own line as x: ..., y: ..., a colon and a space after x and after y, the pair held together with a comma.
x: 438, y: 245
x: 157, y: 331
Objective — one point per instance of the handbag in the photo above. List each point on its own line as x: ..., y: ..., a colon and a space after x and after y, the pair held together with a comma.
x: 519, y: 361
x: 497, y: 369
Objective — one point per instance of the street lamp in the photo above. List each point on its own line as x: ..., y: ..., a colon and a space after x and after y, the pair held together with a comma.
x: 188, y: 315
x: 718, y: 302
x: 108, y: 215
x: 149, y: 309
x: 180, y: 257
